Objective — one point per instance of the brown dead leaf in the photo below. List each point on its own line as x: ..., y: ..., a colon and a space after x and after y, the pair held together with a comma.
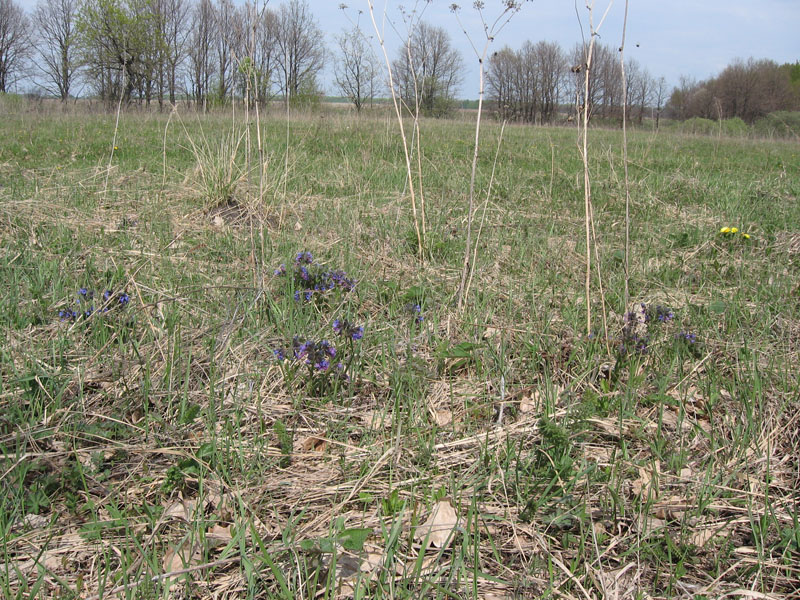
x: 298, y: 226
x: 671, y: 509
x: 442, y: 417
x: 529, y: 402
x: 646, y: 483
x: 439, y: 527
x: 701, y: 537
x: 182, y: 556
x: 218, y: 536
x: 314, y: 444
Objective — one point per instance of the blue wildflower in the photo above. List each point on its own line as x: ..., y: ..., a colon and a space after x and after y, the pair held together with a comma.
x: 345, y: 328
x: 416, y: 312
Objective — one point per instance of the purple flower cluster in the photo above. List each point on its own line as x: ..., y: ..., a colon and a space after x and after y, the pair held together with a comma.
x: 633, y: 344
x: 415, y: 310
x: 86, y: 308
x: 311, y: 280
x: 316, y: 354
x: 686, y: 336
x: 345, y: 328
x: 659, y: 314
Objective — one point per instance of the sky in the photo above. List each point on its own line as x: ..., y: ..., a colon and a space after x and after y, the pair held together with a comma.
x: 671, y: 38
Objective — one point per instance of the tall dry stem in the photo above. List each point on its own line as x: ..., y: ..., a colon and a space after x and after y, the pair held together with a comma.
x: 399, y: 114
x: 490, y: 32
x: 625, y: 160
x: 584, y: 151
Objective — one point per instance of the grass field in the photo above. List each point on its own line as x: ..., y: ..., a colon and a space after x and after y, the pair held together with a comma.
x: 155, y: 445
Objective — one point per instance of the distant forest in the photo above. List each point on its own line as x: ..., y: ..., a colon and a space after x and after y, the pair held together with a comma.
x: 209, y: 52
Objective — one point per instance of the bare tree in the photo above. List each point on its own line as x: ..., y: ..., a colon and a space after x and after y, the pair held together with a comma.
x: 500, y: 78
x: 14, y: 43
x: 228, y: 40
x: 428, y: 70
x: 357, y: 72
x: 659, y: 97
x: 201, y: 56
x: 527, y: 84
x: 551, y: 63
x: 173, y: 31
x: 57, y: 49
x: 300, y: 50
x: 258, y: 54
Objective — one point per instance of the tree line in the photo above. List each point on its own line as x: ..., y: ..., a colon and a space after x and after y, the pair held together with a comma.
x: 159, y: 50
x: 208, y: 52
x: 533, y: 83
x: 745, y: 89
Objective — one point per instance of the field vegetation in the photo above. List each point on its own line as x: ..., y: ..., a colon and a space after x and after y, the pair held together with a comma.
x: 229, y: 373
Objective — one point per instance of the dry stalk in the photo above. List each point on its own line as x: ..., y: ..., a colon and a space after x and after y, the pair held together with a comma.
x: 584, y: 150
x: 399, y: 115
x: 625, y: 160
x: 485, y: 206
x: 114, y: 137
x: 510, y: 9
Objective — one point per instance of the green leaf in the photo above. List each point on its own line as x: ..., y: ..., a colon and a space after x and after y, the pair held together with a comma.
x: 717, y: 306
x: 353, y: 539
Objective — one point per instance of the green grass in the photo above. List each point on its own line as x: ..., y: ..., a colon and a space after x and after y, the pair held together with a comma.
x: 163, y: 435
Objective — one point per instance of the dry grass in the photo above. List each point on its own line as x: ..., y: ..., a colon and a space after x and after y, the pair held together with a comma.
x: 183, y: 463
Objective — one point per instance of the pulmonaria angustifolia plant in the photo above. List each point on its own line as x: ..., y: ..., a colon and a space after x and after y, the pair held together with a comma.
x: 640, y: 327
x: 318, y: 361
x: 415, y: 311
x: 686, y: 341
x: 313, y: 282
x: 86, y: 304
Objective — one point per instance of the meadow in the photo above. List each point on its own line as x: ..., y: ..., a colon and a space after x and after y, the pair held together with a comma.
x: 175, y: 421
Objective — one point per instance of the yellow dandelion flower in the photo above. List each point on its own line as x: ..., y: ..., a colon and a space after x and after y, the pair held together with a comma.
x: 734, y: 230
x: 725, y: 230
x: 746, y: 236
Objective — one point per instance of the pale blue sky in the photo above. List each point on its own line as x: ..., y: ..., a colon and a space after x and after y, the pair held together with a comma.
x: 697, y: 38
x: 676, y: 37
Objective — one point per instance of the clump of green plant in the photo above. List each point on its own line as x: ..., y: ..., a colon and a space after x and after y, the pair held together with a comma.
x: 219, y: 171
x: 315, y: 360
